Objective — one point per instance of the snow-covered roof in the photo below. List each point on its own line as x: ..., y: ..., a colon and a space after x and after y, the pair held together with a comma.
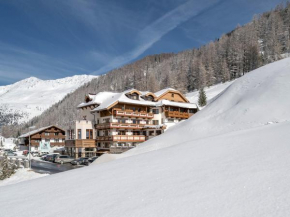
x: 37, y: 131
x: 110, y: 100
x: 121, y: 97
x: 161, y: 92
x: 97, y: 99
x: 177, y: 104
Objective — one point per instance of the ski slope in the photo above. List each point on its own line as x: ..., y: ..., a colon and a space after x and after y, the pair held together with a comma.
x: 230, y: 159
x: 30, y: 97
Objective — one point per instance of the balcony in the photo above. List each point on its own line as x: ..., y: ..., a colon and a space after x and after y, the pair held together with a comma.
x: 81, y: 143
x: 122, y: 138
x: 176, y: 114
x: 120, y: 126
x: 32, y: 143
x: 131, y: 113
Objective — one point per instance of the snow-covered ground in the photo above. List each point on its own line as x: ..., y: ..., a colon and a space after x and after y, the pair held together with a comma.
x: 230, y: 159
x: 30, y: 97
x: 211, y: 92
x: 21, y: 175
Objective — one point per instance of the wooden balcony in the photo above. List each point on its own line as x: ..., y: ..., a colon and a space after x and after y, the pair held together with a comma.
x: 120, y: 126
x: 32, y: 143
x: 81, y: 143
x: 51, y: 136
x: 122, y: 138
x: 176, y: 114
x: 131, y: 113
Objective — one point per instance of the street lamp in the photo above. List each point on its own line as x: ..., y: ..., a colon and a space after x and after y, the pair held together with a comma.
x: 32, y: 127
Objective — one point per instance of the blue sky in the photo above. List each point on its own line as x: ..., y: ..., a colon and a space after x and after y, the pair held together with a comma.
x: 52, y: 39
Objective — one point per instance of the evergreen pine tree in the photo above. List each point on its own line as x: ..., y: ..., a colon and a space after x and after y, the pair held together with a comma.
x: 202, y: 98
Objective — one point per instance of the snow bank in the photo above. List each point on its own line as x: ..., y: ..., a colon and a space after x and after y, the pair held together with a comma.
x: 20, y: 176
x: 230, y: 159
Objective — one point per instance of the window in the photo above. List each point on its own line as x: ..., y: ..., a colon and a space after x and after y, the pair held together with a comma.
x: 158, y: 132
x: 46, y: 134
x: 56, y: 140
x: 191, y: 111
x: 121, y: 133
x: 70, y: 134
x: 151, y: 133
x: 170, y: 120
x: 47, y: 140
x: 134, y: 121
x: 155, y: 122
x: 56, y: 134
x: 122, y: 121
x: 172, y: 95
x: 79, y: 134
x: 106, y: 120
x: 89, y: 134
x: 155, y: 111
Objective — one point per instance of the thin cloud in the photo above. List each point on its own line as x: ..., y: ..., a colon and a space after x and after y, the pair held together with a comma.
x: 154, y: 32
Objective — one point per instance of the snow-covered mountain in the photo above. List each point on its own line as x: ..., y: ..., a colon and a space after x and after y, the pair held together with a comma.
x: 28, y: 98
x: 230, y: 159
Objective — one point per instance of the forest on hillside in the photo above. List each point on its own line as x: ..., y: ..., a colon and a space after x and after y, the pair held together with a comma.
x: 264, y: 40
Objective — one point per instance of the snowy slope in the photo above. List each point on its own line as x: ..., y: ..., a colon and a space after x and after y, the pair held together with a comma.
x: 211, y: 92
x: 230, y: 159
x: 30, y: 97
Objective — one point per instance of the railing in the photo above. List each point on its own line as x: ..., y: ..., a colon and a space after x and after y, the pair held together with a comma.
x: 81, y: 143
x: 120, y: 125
x: 130, y: 113
x: 51, y: 143
x: 176, y: 114
x: 124, y: 138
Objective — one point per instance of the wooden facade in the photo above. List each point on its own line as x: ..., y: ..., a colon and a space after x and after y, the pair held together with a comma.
x: 51, y: 133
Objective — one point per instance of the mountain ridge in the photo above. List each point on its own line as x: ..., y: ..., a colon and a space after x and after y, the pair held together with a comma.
x: 27, y: 98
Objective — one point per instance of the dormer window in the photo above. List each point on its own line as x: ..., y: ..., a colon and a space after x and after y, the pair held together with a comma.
x: 135, y: 96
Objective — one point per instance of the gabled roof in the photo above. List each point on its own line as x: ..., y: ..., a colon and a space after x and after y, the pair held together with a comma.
x: 38, y: 130
x: 161, y: 93
x: 121, y: 97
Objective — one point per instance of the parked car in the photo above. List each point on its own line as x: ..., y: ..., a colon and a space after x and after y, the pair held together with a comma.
x: 44, y: 157
x: 63, y: 159
x: 51, y: 157
x: 91, y: 160
x: 8, y: 150
x: 10, y: 153
x: 40, y: 154
x: 80, y: 161
x: 33, y: 153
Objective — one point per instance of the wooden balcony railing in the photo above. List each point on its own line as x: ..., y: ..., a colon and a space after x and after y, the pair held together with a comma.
x: 176, y: 114
x: 51, y: 144
x: 122, y: 138
x: 120, y: 126
x: 130, y: 113
x: 81, y: 143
